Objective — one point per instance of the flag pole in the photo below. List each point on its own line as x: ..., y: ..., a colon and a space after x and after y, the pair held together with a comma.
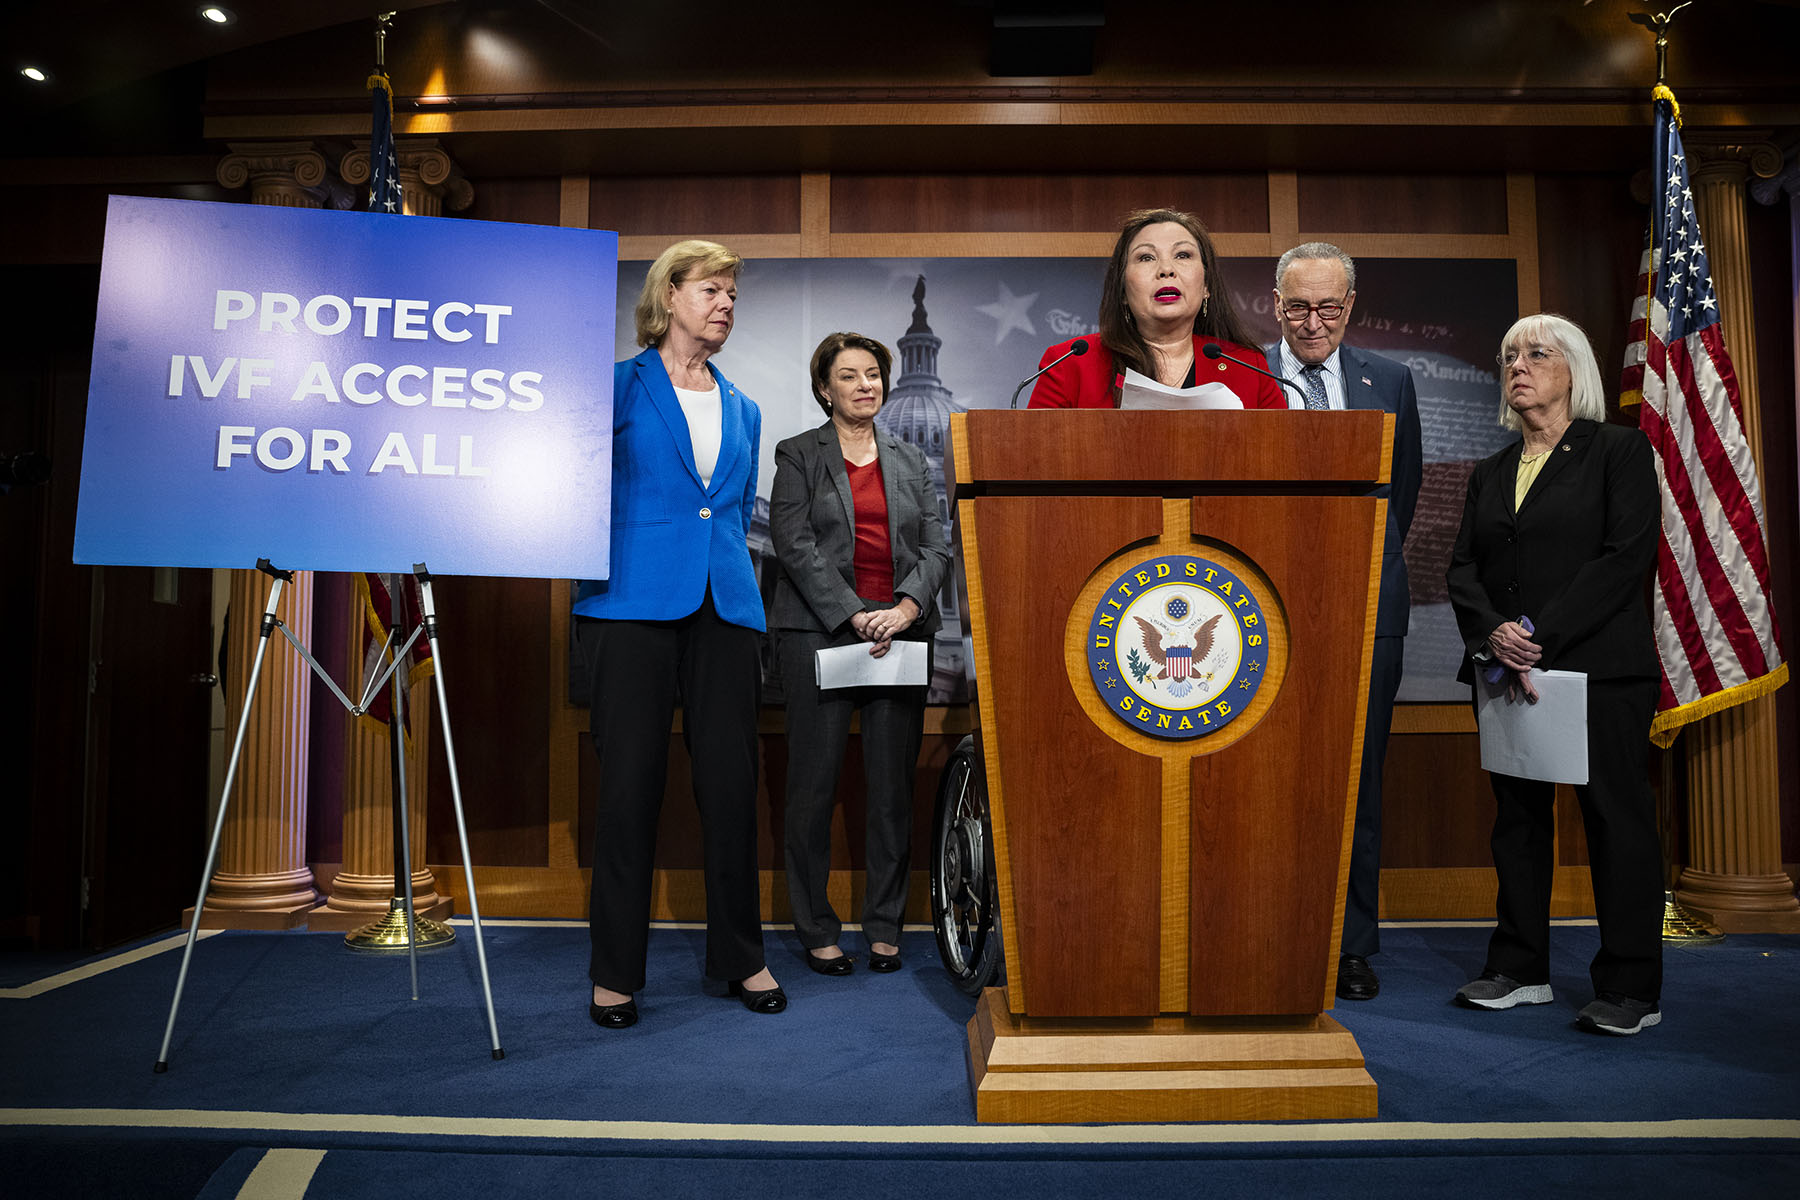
x: 1680, y: 924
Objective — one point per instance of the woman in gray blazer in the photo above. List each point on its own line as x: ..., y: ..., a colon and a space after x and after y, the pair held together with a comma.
x: 862, y: 555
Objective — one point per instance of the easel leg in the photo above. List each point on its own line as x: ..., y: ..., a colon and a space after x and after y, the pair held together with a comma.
x: 212, y: 853
x: 462, y: 829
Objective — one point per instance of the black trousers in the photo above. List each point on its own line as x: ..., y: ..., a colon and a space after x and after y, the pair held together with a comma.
x: 1362, y: 898
x: 1624, y: 853
x: 637, y: 670
x: 818, y: 726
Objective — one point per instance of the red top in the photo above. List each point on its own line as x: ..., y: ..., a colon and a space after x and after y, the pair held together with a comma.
x: 1087, y: 381
x: 874, y: 557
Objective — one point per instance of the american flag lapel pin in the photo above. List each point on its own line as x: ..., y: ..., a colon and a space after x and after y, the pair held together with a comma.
x: 1367, y: 382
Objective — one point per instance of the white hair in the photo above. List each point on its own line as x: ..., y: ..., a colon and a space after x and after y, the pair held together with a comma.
x: 1317, y: 250
x: 1587, y: 397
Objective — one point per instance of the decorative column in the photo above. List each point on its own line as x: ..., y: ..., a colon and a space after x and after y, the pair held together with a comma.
x: 365, y: 886
x: 429, y: 180
x: 1733, y: 784
x: 262, y: 880
x: 363, y: 889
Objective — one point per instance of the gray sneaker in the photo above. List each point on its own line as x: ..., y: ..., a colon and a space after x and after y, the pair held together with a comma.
x: 1618, y: 1015
x: 1495, y: 991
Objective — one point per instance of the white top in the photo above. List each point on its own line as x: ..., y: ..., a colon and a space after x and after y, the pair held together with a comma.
x: 706, y: 426
x: 1332, y: 375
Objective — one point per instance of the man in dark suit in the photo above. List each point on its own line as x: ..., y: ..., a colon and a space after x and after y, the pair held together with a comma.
x: 1315, y: 291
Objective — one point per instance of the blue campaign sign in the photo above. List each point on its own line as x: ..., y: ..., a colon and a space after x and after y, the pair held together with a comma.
x: 349, y: 391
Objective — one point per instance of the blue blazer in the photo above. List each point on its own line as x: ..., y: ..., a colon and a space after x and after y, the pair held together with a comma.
x: 671, y: 537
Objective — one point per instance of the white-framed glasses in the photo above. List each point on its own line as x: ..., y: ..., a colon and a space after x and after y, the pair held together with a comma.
x: 1537, y: 356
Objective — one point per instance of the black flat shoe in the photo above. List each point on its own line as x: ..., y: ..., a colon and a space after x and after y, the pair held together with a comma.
x: 614, y: 1016
x: 843, y: 964
x: 883, y: 962
x: 769, y: 1000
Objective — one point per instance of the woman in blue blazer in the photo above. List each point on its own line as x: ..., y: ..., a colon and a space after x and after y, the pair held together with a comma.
x: 679, y: 616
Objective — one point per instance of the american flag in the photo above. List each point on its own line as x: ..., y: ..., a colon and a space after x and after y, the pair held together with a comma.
x: 1715, y: 625
x: 385, y: 194
x: 382, y: 602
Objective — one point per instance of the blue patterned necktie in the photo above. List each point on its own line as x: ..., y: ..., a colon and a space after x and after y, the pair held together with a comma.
x: 1315, y: 387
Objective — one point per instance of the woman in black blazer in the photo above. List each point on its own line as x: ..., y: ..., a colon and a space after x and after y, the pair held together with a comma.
x: 1558, y: 537
x: 855, y: 522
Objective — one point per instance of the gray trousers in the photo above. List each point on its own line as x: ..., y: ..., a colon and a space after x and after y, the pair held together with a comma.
x: 818, y: 728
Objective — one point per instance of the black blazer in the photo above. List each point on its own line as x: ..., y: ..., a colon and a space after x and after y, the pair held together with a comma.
x: 813, y: 523
x: 1573, y: 558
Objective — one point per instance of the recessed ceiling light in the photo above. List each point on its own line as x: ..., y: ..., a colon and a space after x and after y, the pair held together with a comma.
x: 217, y: 15
x: 35, y: 74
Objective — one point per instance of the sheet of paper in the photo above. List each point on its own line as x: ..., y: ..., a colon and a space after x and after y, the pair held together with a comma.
x: 1140, y: 391
x: 1546, y: 740
x: 851, y: 666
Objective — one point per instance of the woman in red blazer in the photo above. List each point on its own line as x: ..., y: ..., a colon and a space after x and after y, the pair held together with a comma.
x: 1162, y: 301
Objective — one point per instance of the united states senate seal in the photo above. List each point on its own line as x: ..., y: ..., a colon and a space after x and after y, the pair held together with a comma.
x: 1177, y: 646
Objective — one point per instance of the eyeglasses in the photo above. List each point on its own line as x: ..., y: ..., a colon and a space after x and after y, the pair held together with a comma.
x: 1537, y: 356
x: 1297, y: 311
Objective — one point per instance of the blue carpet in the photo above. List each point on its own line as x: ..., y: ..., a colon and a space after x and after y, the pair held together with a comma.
x: 329, y: 1048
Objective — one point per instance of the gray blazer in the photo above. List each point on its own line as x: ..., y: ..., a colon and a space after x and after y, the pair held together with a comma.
x: 813, y: 523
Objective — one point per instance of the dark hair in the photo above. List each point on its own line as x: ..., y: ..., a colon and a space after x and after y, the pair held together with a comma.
x: 1119, y: 332
x: 834, y: 345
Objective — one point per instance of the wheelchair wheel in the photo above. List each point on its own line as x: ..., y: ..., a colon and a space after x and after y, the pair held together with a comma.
x: 963, y: 888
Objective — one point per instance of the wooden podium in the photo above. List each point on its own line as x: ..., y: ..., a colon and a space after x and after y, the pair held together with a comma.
x: 1172, y: 618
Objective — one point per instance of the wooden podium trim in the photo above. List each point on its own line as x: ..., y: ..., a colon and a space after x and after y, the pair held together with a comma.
x: 1046, y: 1071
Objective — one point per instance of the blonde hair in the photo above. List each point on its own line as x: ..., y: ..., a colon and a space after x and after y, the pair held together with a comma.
x: 1587, y: 396
x: 681, y: 262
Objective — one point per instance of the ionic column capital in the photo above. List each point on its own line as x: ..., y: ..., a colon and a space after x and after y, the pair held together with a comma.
x: 289, y: 174
x: 429, y: 177
x: 1732, y: 155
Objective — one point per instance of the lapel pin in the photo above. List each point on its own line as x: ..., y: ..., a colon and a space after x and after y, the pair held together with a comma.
x: 1367, y: 382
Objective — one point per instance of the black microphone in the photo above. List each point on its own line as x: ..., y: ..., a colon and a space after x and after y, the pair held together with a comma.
x: 1075, y: 351
x: 1212, y: 350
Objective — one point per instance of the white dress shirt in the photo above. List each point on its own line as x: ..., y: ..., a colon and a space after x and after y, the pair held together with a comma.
x: 706, y: 426
x: 1332, y: 375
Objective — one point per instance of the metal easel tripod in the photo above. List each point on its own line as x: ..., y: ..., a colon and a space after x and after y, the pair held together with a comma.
x: 270, y: 623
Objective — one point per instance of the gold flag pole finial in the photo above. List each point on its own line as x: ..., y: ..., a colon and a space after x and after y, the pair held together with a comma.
x: 385, y: 21
x: 1659, y: 23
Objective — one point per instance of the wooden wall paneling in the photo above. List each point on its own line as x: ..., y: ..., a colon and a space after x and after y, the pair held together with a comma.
x: 524, y: 201
x: 1436, y: 806
x: 1040, y: 203
x: 815, y: 214
x: 1590, y: 237
x: 496, y: 670
x: 1389, y: 203
x: 695, y: 205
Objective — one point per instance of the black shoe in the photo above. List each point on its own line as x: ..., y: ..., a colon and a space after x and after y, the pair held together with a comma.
x: 1619, y: 1015
x: 843, y: 964
x: 1356, y: 979
x: 883, y: 962
x: 769, y: 1000
x: 614, y: 1016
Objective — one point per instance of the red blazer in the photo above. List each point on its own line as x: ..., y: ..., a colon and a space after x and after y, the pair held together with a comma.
x: 1087, y: 381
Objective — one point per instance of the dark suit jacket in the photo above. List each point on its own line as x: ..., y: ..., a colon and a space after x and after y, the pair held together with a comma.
x: 813, y: 522
x: 672, y: 538
x: 1573, y: 558
x: 1371, y: 381
x: 1087, y: 381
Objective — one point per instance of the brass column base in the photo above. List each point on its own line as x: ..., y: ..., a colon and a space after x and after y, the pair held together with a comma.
x: 389, y: 933
x: 1684, y: 926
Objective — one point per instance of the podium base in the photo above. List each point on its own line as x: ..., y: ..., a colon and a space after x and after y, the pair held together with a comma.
x: 1028, y: 1070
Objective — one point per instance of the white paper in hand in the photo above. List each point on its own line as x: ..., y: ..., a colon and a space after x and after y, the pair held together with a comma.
x: 852, y: 666
x: 1546, y: 740
x: 1142, y: 392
